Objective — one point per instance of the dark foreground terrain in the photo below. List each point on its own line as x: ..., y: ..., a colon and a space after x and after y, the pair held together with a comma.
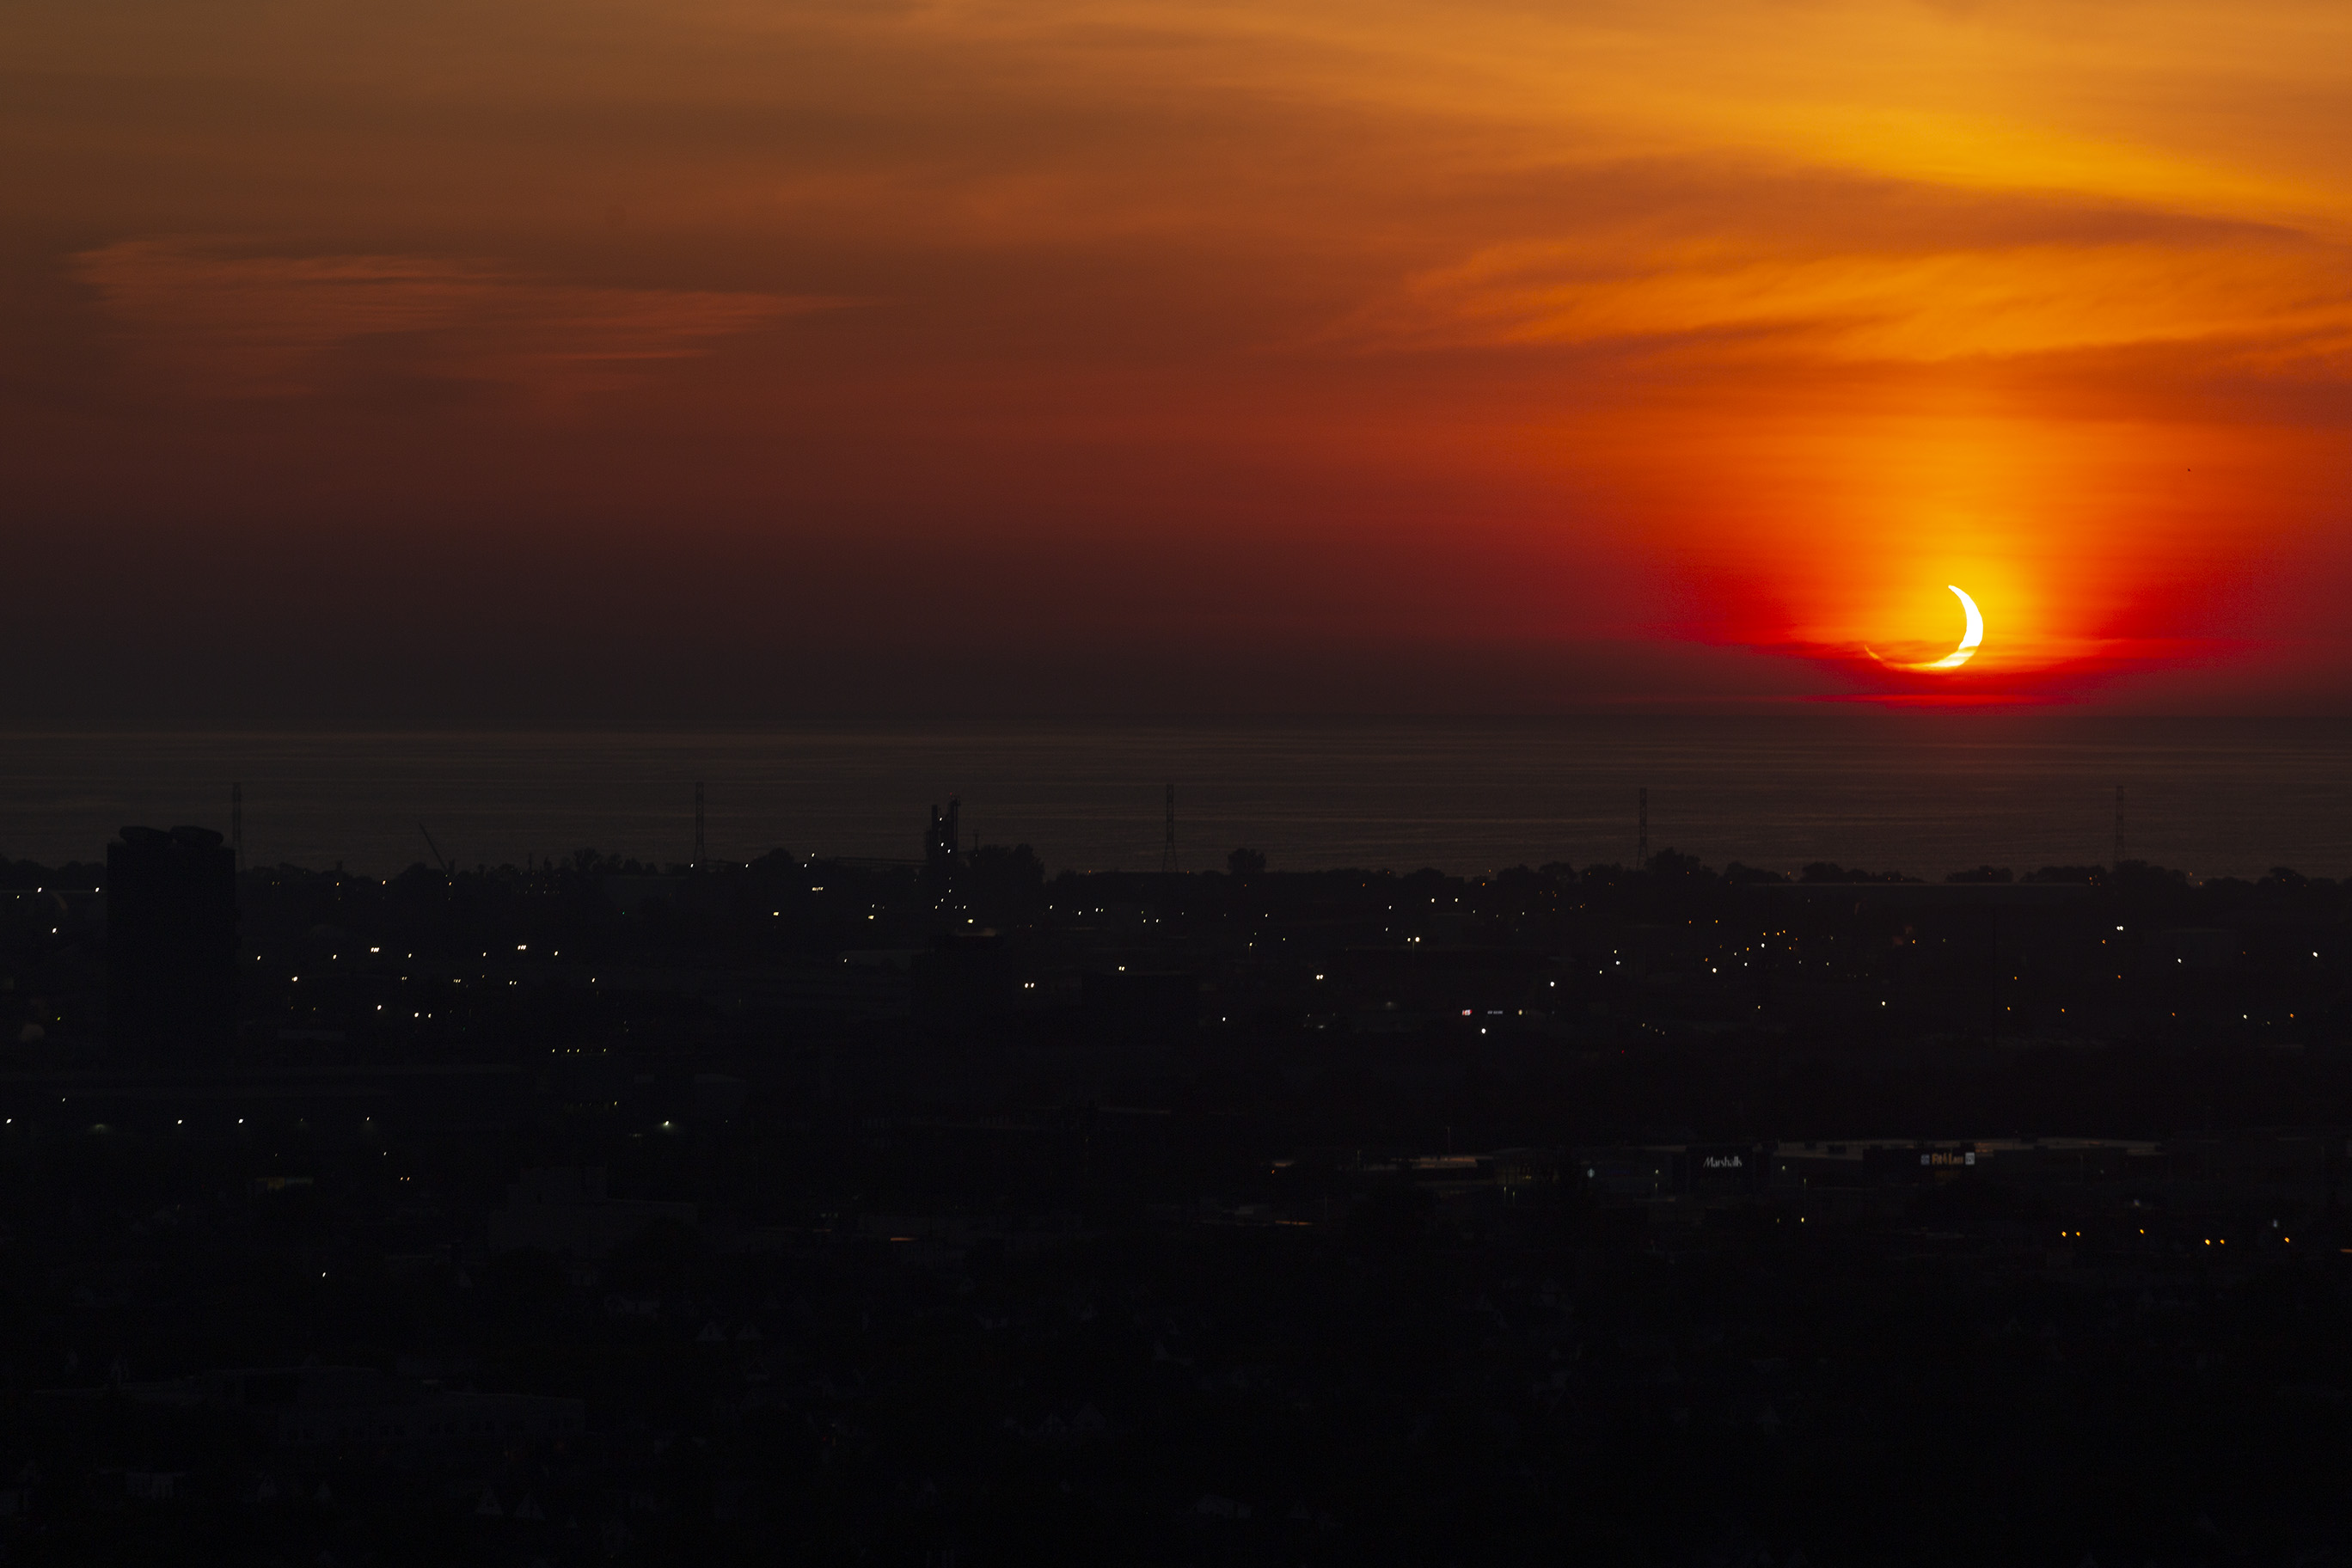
x: 946, y: 1214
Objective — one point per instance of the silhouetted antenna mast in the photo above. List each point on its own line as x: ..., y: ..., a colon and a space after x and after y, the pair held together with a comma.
x: 2119, y: 827
x: 1168, y: 850
x: 1642, y: 829
x: 237, y: 823
x: 697, y: 827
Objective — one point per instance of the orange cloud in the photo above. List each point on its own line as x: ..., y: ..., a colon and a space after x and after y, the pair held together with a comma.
x: 232, y: 324
x: 1914, y: 305
x: 1698, y: 326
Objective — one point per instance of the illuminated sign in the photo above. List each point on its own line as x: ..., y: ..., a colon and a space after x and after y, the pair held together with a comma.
x: 1720, y: 1166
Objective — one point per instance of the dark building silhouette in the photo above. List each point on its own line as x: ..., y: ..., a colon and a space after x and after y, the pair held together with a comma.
x: 171, y: 941
x: 942, y: 851
x: 1109, y: 1175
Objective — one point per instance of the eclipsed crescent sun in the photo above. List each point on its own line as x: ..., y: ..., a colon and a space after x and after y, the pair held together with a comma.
x: 1959, y: 656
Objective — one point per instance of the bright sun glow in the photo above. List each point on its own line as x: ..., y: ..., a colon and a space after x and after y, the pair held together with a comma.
x: 1969, y: 638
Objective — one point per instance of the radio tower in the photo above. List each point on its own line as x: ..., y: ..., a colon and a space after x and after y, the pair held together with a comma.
x: 697, y: 827
x: 2118, y: 860
x: 237, y: 823
x: 1642, y: 830
x: 1168, y: 851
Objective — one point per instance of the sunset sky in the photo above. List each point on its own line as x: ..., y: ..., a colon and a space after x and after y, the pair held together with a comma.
x: 534, y: 360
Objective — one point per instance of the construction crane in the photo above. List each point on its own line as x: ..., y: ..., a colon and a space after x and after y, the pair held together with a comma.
x: 447, y: 869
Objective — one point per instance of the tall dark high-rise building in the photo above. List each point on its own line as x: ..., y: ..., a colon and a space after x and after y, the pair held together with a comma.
x: 171, y: 943
x: 943, y: 846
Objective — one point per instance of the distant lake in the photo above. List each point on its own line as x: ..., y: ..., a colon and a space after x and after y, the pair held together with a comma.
x: 1923, y: 793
